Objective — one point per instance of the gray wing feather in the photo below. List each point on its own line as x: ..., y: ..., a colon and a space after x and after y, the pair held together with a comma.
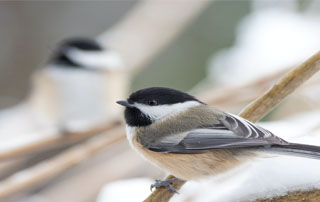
x: 233, y: 132
x: 245, y: 128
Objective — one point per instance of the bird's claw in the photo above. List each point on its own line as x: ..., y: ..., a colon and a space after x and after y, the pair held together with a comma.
x: 165, y: 183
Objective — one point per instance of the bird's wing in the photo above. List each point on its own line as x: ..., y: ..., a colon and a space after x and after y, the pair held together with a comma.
x: 232, y: 132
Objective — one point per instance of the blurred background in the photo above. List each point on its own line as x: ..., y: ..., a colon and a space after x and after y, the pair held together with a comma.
x: 34, y: 28
x: 226, y: 52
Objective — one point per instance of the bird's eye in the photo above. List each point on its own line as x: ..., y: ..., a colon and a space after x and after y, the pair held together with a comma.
x: 152, y: 102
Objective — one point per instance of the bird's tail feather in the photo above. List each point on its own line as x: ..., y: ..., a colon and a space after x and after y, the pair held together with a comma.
x: 303, y: 150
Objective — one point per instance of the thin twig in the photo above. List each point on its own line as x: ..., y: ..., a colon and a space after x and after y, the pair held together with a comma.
x: 259, y: 108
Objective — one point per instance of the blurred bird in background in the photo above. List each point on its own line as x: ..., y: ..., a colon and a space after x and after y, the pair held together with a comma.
x: 74, y: 90
x: 79, y: 74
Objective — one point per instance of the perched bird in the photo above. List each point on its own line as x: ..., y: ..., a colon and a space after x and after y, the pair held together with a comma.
x: 74, y: 90
x: 192, y: 140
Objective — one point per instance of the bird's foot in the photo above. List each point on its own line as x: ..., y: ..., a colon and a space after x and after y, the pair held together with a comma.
x: 165, y: 183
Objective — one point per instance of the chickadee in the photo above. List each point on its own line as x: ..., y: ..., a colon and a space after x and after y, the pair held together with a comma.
x: 79, y: 71
x: 192, y: 140
x: 74, y: 90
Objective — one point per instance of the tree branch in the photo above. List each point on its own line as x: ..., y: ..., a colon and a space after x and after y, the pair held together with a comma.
x: 259, y: 108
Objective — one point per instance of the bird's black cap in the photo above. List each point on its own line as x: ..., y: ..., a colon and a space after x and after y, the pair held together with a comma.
x: 81, y: 43
x: 60, y: 58
x: 160, y: 96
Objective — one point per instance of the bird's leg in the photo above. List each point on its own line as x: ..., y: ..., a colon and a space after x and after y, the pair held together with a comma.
x: 165, y: 183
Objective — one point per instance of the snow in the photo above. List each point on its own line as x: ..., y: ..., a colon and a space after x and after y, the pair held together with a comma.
x: 263, y: 178
x: 267, y: 40
x: 133, y: 190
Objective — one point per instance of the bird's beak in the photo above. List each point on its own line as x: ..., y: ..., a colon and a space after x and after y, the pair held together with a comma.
x: 125, y: 103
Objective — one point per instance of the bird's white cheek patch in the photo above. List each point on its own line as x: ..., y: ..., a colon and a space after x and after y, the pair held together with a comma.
x: 108, y: 60
x: 165, y: 111
x: 130, y: 132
